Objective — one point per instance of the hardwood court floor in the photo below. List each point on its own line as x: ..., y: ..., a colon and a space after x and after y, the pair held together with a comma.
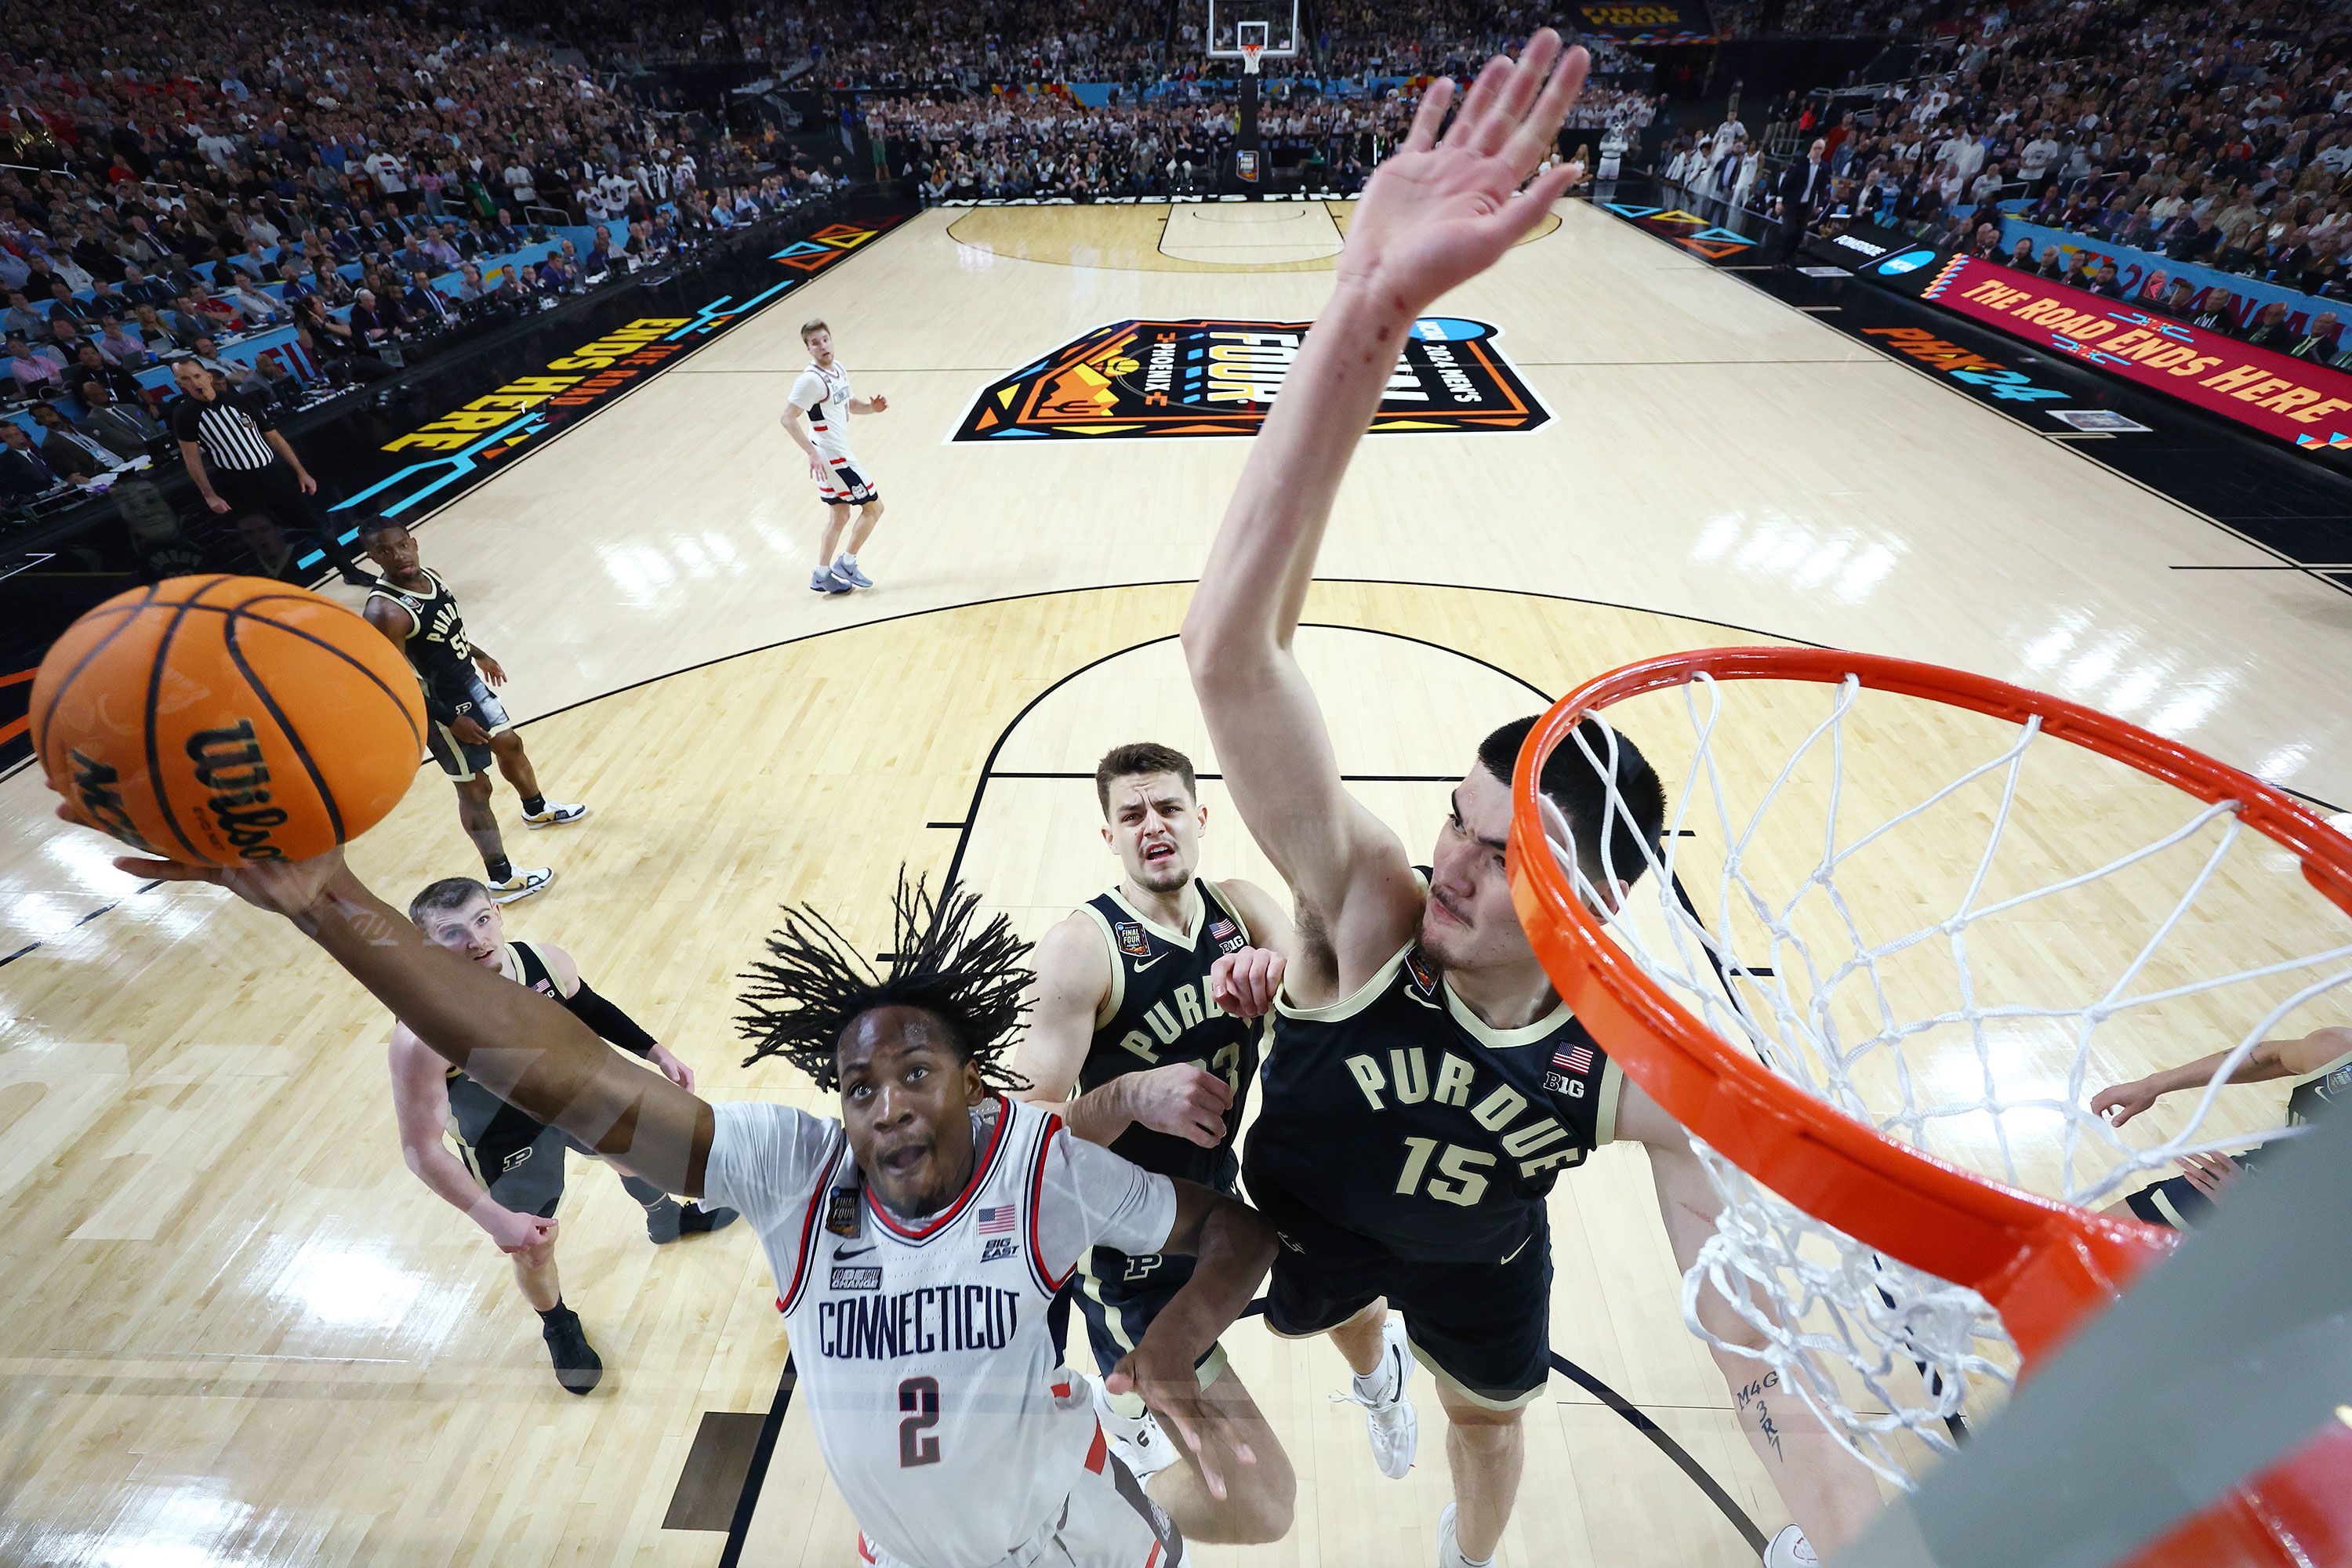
x: 238, y: 1330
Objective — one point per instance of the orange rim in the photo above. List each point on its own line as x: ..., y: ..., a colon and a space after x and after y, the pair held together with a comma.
x: 2045, y: 1266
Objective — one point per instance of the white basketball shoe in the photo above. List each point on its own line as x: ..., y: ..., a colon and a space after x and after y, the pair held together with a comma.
x: 1789, y: 1548
x: 1395, y: 1428
x: 1138, y: 1440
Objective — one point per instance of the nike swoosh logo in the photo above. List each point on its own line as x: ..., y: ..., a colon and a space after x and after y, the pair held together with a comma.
x: 1516, y: 1250
x: 1141, y: 967
x: 1424, y: 1001
x: 862, y: 1251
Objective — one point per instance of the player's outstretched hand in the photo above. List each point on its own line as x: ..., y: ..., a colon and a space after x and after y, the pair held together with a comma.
x: 1172, y: 1388
x: 670, y: 1068
x: 2121, y: 1101
x: 1437, y: 213
x: 285, y: 887
x: 1245, y: 983
x: 2210, y: 1173
x: 1182, y: 1102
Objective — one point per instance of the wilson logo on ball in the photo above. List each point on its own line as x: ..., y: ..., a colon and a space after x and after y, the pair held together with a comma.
x: 229, y: 762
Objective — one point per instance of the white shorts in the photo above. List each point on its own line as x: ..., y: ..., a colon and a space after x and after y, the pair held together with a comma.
x: 845, y: 483
x: 1107, y: 1521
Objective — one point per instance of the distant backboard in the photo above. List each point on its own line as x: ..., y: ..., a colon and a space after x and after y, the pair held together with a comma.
x: 1271, y: 23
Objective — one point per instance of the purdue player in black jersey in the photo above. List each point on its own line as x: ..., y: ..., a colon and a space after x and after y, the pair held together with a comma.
x: 469, y: 729
x: 2319, y: 1068
x: 1425, y: 1086
x: 511, y: 1173
x: 1145, y: 1016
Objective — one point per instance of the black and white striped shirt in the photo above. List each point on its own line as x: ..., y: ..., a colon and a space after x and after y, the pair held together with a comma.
x: 230, y: 437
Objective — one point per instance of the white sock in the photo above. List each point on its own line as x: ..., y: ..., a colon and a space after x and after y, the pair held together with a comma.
x: 1377, y: 1385
x: 847, y: 559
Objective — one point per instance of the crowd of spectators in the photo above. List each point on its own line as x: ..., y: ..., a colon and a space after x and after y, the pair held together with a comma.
x: 364, y: 182
x: 2217, y: 139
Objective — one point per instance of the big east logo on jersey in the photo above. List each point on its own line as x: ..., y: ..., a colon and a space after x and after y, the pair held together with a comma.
x: 1205, y: 377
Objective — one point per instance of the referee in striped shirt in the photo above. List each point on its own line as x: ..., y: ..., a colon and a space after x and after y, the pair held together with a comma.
x: 240, y: 463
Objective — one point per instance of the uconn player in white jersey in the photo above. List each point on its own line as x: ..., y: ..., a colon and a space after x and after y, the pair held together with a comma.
x: 817, y: 419
x: 917, y: 1241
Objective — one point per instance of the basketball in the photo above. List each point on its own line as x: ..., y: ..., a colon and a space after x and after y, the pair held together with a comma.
x: 222, y: 720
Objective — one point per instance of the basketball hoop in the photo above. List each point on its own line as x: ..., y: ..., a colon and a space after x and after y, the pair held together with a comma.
x: 1250, y: 53
x: 1790, y: 1036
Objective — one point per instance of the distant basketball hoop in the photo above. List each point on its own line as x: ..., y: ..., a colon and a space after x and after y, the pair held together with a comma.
x: 1250, y: 53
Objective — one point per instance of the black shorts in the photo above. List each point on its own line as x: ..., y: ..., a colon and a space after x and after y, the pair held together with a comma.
x: 518, y: 1162
x: 2175, y: 1202
x: 1484, y: 1327
x: 1120, y: 1294
x: 463, y: 760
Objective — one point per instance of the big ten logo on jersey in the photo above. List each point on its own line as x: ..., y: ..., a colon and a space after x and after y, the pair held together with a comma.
x: 1132, y: 942
x: 1527, y: 1134
x: 1227, y: 936
x: 1570, y: 1070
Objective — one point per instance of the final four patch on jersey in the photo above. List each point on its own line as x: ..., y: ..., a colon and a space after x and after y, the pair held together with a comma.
x: 1132, y: 942
x: 1423, y: 976
x: 841, y: 1211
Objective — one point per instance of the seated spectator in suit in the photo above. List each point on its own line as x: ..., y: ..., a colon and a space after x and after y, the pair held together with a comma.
x: 161, y: 330
x: 140, y: 287
x: 2270, y: 330
x: 2186, y: 239
x: 2219, y: 314
x: 506, y: 238
x: 2022, y: 256
x: 32, y: 367
x: 2106, y: 283
x: 2180, y: 301
x: 207, y: 311
x: 2080, y: 273
x: 2318, y: 341
x: 66, y: 450
x: 553, y: 278
x: 367, y: 321
x: 121, y: 347
x: 436, y: 244
x: 429, y: 310
x: 21, y: 319
x: 123, y: 428
x: 471, y: 290
x: 24, y: 473
x: 2053, y: 264
x: 63, y: 306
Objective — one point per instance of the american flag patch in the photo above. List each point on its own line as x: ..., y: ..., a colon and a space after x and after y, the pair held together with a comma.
x: 1220, y: 930
x: 997, y: 1221
x: 1575, y: 1059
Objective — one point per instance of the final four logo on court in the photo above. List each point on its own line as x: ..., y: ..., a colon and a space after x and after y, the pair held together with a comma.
x: 1217, y: 377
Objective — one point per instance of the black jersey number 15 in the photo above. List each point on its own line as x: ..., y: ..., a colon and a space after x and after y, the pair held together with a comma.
x: 919, y: 1398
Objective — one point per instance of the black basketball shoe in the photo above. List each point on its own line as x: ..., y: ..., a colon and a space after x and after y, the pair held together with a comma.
x: 669, y: 1221
x: 578, y: 1367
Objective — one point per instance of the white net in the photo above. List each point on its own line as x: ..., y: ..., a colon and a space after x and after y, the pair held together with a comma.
x: 1956, y: 931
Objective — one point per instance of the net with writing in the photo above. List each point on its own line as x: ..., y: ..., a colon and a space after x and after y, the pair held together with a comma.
x: 1910, y: 1025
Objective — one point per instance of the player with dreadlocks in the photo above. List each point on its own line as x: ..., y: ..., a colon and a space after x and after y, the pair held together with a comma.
x: 916, y: 1241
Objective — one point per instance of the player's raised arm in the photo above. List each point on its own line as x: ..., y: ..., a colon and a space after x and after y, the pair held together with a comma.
x: 522, y: 1047
x: 1435, y: 216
